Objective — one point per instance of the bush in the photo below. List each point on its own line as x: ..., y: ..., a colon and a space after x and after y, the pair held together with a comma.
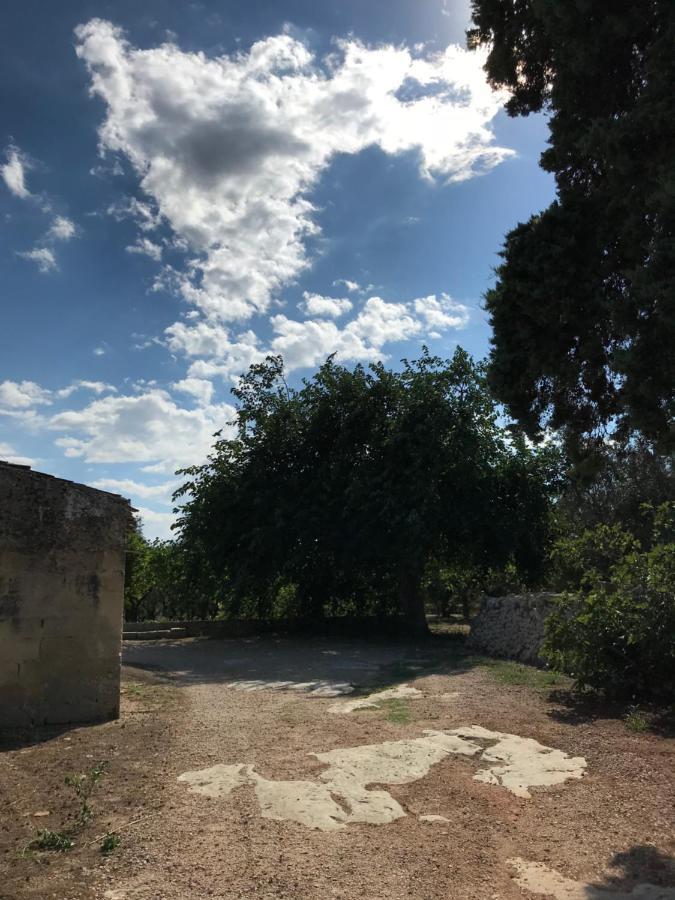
x: 616, y: 635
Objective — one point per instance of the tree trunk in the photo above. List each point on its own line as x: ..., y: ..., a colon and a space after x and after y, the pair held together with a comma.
x: 411, y: 602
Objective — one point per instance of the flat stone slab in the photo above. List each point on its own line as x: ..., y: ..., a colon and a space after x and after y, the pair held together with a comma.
x: 512, y: 762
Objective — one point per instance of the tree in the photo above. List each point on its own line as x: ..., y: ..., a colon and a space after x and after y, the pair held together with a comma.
x: 583, y: 309
x: 166, y: 579
x: 339, y: 495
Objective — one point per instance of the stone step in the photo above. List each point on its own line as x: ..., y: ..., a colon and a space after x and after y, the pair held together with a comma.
x: 159, y: 634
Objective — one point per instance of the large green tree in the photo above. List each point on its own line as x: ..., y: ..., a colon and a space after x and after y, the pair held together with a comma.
x: 339, y: 495
x: 583, y: 309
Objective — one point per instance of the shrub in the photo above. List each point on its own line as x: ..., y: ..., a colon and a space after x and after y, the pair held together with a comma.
x: 616, y: 635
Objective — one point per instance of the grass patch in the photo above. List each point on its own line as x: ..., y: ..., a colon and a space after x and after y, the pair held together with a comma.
x: 635, y: 720
x: 396, y: 711
x: 505, y: 671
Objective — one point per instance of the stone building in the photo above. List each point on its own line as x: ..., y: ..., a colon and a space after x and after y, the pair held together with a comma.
x: 61, y: 599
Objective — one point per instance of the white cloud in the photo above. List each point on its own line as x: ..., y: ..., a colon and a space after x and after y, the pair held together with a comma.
x: 199, y: 388
x: 308, y: 342
x: 145, y: 247
x: 350, y: 285
x: 9, y: 454
x: 230, y: 148
x: 317, y: 305
x: 14, y: 173
x: 160, y: 493
x: 97, y: 387
x: 23, y: 395
x: 143, y: 214
x: 149, y: 427
x: 155, y: 523
x: 43, y: 257
x: 62, y: 229
x: 99, y: 351
x: 440, y: 313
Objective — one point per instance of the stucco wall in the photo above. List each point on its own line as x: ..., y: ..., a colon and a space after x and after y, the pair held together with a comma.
x: 61, y: 599
x: 511, y: 627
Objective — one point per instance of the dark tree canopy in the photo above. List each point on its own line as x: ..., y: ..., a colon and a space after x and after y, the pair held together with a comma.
x: 583, y: 309
x: 340, y: 495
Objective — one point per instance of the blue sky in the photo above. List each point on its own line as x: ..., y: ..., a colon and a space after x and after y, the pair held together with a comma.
x: 189, y: 187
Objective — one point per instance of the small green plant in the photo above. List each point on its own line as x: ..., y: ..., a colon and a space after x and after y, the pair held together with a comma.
x: 110, y: 842
x: 57, y: 841
x: 83, y: 785
x: 635, y: 720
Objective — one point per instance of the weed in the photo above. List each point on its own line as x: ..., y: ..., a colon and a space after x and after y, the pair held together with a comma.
x: 57, y: 841
x: 83, y: 785
x: 110, y: 842
x: 635, y: 720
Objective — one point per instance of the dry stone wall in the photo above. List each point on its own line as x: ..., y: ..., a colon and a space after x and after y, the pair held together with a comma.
x: 61, y: 598
x: 512, y: 627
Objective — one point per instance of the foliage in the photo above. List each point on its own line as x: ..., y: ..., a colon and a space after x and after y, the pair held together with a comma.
x: 617, y: 634
x: 614, y: 488
x: 110, y: 843
x: 55, y: 841
x: 83, y: 785
x: 583, y: 309
x: 581, y: 561
x: 337, y: 497
x: 166, y: 579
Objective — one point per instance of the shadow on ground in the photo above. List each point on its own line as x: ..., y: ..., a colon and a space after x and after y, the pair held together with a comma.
x: 575, y: 708
x: 641, y: 864
x: 364, y: 664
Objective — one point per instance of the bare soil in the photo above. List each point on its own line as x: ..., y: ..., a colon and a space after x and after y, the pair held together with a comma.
x: 614, y: 828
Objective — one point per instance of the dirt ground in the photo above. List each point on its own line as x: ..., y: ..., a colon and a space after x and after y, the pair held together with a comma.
x: 184, y: 707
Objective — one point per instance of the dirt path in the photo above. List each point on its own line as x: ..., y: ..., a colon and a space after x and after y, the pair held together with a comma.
x: 197, y: 704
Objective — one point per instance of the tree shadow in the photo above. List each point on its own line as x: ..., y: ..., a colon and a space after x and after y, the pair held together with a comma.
x: 577, y: 708
x: 288, y: 663
x: 640, y: 865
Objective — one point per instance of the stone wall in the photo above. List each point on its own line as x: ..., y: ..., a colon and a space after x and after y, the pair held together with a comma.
x: 61, y: 599
x: 511, y: 627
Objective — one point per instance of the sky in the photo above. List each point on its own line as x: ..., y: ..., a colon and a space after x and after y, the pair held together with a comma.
x: 188, y: 187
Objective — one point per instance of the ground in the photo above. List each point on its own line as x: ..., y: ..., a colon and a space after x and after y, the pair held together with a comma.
x: 195, y: 704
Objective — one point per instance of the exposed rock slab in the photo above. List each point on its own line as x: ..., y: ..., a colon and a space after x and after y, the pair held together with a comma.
x: 341, y: 795
x: 374, y: 700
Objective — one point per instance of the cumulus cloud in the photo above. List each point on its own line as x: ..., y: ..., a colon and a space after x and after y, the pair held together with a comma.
x: 228, y: 149
x: 23, y: 395
x: 62, y: 229
x: 43, y: 257
x: 199, y: 388
x: 9, y: 454
x: 145, y: 247
x: 157, y: 523
x: 307, y: 342
x: 150, y: 427
x: 96, y: 387
x: 14, y: 173
x: 129, y: 488
x: 331, y: 307
x: 350, y: 285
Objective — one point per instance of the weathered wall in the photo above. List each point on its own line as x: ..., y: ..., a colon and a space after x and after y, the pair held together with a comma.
x: 61, y: 599
x: 511, y: 627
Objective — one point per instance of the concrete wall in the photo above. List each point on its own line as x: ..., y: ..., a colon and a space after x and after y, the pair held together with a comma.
x: 511, y: 627
x: 61, y: 599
